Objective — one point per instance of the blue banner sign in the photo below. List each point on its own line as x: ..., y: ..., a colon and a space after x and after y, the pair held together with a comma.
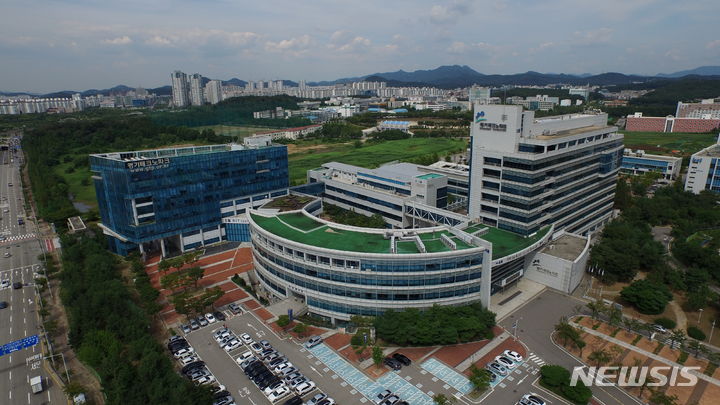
x: 23, y: 343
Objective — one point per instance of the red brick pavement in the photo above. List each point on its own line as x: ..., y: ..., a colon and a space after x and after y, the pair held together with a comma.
x: 455, y: 354
x: 338, y: 340
x: 264, y: 314
x: 414, y: 353
x: 251, y: 304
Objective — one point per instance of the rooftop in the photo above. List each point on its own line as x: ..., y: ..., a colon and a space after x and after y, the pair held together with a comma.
x: 163, y: 153
x: 571, y: 132
x: 301, y: 228
x: 567, y: 247
x: 710, y: 151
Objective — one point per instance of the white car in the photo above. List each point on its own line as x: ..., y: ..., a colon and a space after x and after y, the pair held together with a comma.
x: 533, y: 399
x: 256, y: 348
x: 515, y: 356
x: 279, y: 393
x: 504, y: 361
x: 189, y: 359
x: 210, y: 318
x: 225, y: 338
x: 248, y: 354
x: 219, y: 332
x: 232, y: 345
x: 297, y: 381
x: 183, y: 352
x: 5, y: 284
x: 205, y: 380
x: 304, y: 388
x: 273, y: 387
x: 282, y: 366
x: 246, y: 339
x: 317, y: 398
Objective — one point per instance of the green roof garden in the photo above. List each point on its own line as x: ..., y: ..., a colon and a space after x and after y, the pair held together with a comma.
x: 300, y: 228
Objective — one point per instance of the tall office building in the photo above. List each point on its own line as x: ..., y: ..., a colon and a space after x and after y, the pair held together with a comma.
x: 196, y: 89
x: 479, y: 94
x: 180, y: 90
x: 704, y: 170
x: 171, y: 200
x: 526, y: 173
x: 213, y: 91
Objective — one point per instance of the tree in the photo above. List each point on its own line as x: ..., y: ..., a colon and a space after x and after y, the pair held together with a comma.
x: 72, y: 389
x: 441, y: 399
x: 658, y: 397
x: 697, y: 348
x: 377, y: 355
x: 479, y: 378
x: 283, y: 321
x: 195, y: 274
x: 554, y: 376
x: 614, y: 315
x: 600, y: 357
x: 596, y: 308
x: 300, y: 329
x: 163, y: 266
x: 623, y: 199
x: 648, y: 297
x: 677, y: 336
x: 566, y: 332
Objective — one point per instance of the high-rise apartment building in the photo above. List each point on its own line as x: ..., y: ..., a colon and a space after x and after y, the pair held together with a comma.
x: 526, y: 173
x: 196, y: 89
x: 180, y: 89
x: 213, y: 91
x: 704, y: 170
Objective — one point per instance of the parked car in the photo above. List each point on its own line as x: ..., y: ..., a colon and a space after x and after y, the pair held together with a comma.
x: 234, y: 308
x: 232, y: 345
x: 194, y: 325
x: 504, y: 361
x: 381, y: 396
x: 175, y: 338
x: 304, y: 388
x: 533, y: 399
x: 292, y: 376
x: 192, y: 366
x: 297, y: 381
x: 392, y: 363
x: 272, y: 387
x: 185, y: 328
x: 402, y: 359
x: 202, y: 321
x: 210, y: 318
x: 278, y: 362
x: 219, y: 331
x: 278, y: 394
x: 267, y: 381
x: 296, y: 400
x: 5, y: 284
x: 256, y: 348
x: 3, y: 304
x: 247, y: 355
x: 183, y: 352
x: 327, y: 401
x: 317, y: 398
x: 189, y: 359
x: 497, y: 368
x: 288, y: 370
x: 391, y: 400
x: 265, y: 344
x: 513, y: 355
x: 313, y: 341
x: 246, y: 339
x: 205, y: 380
x: 659, y: 328
x: 219, y: 316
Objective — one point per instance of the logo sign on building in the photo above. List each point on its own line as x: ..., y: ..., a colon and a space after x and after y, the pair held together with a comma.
x: 147, y: 164
x: 20, y: 344
x: 480, y: 116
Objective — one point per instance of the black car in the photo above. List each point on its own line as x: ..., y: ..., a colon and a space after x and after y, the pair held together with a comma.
x: 294, y: 401
x: 262, y: 376
x: 271, y: 383
x: 258, y: 371
x: 221, y: 394
x: 192, y: 366
x: 402, y: 359
x: 177, y: 342
x: 219, y: 316
x: 392, y: 363
x: 251, y: 366
x: 17, y: 285
x: 3, y: 304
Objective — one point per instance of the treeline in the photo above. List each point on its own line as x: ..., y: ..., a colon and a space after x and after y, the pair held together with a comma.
x: 110, y: 331
x: 234, y: 111
x: 72, y: 140
x: 664, y: 95
x: 439, y: 325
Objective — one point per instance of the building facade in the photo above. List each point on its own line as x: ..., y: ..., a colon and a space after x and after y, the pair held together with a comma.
x: 196, y: 89
x: 527, y: 173
x: 180, y: 89
x: 639, y: 162
x: 213, y: 91
x: 705, y: 123
x: 704, y: 171
x: 171, y: 200
x: 340, y: 271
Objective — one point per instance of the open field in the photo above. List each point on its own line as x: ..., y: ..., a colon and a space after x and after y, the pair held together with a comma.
x: 370, y: 156
x: 83, y: 193
x: 666, y: 143
x: 234, y: 131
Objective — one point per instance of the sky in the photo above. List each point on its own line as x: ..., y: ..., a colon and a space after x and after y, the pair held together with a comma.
x: 54, y: 45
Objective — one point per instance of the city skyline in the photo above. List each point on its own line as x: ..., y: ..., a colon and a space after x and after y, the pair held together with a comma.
x: 81, y: 44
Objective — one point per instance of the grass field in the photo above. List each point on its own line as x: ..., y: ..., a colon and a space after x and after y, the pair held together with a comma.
x: 665, y: 143
x: 82, y: 193
x: 234, y: 131
x: 370, y: 156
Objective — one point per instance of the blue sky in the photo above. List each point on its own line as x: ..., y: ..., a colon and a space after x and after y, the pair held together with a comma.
x: 80, y: 44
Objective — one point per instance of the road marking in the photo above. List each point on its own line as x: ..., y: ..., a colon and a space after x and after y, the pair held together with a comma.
x: 252, y: 326
x: 521, y: 380
x: 313, y: 369
x: 10, y: 375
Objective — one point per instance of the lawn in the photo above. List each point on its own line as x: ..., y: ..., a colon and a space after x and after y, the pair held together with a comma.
x: 234, y: 131
x: 666, y: 143
x: 82, y: 193
x: 370, y: 156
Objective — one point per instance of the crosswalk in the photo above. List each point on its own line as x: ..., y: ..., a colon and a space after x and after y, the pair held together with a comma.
x: 535, y: 359
x: 13, y: 238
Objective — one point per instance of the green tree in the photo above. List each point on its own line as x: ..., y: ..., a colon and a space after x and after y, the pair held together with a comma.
x: 441, y: 399
x: 623, y: 198
x: 377, y: 355
x: 697, y: 348
x: 195, y: 274
x: 660, y: 398
x: 300, y: 329
x: 677, y: 336
x: 283, y: 321
x: 479, y: 378
x: 596, y: 308
x: 648, y: 297
x: 599, y: 357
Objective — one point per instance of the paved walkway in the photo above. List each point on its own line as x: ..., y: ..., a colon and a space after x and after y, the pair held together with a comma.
x: 680, y: 317
x: 647, y: 354
x: 528, y: 289
x: 495, y: 342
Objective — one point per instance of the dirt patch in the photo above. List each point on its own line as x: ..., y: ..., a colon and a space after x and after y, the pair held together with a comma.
x: 338, y: 340
x: 376, y: 372
x: 456, y: 354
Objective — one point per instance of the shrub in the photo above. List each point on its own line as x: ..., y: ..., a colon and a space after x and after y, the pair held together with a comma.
x: 666, y: 323
x: 695, y: 333
x: 283, y: 321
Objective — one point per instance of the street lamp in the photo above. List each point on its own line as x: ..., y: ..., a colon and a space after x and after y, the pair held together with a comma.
x: 699, y: 315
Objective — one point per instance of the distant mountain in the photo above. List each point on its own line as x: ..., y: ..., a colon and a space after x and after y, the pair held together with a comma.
x: 700, y: 71
x: 463, y: 76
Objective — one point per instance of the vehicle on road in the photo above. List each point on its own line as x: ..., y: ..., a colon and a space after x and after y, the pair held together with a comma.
x: 36, y: 384
x: 402, y: 359
x: 3, y: 304
x: 17, y: 285
x: 513, y: 355
x: 532, y: 399
x: 313, y: 341
x: 7, y: 254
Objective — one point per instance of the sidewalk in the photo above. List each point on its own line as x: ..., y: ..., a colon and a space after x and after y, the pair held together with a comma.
x: 495, y: 342
x: 505, y: 302
x: 653, y: 356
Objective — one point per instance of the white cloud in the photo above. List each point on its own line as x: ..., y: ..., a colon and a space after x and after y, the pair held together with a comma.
x: 592, y: 37
x: 442, y: 14
x: 295, y: 45
x: 545, y: 46
x: 459, y: 47
x: 713, y: 44
x: 123, y: 40
x: 158, y: 40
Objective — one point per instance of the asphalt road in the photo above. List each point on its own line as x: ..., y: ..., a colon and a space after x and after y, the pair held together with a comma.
x: 20, y: 318
x: 536, y: 320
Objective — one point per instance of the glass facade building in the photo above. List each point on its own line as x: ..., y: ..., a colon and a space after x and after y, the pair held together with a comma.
x: 173, y: 199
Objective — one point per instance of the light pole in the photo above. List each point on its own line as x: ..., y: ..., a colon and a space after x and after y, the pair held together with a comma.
x: 699, y: 315
x: 712, y: 328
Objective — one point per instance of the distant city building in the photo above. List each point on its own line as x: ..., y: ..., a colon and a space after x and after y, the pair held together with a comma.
x: 704, y: 170
x: 539, y: 102
x: 180, y: 89
x: 196, y: 89
x: 479, y: 94
x: 213, y: 91
x: 637, y: 122
x: 394, y: 125
x: 166, y: 201
x: 527, y: 172
x: 584, y: 92
x: 290, y: 133
x: 638, y: 162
